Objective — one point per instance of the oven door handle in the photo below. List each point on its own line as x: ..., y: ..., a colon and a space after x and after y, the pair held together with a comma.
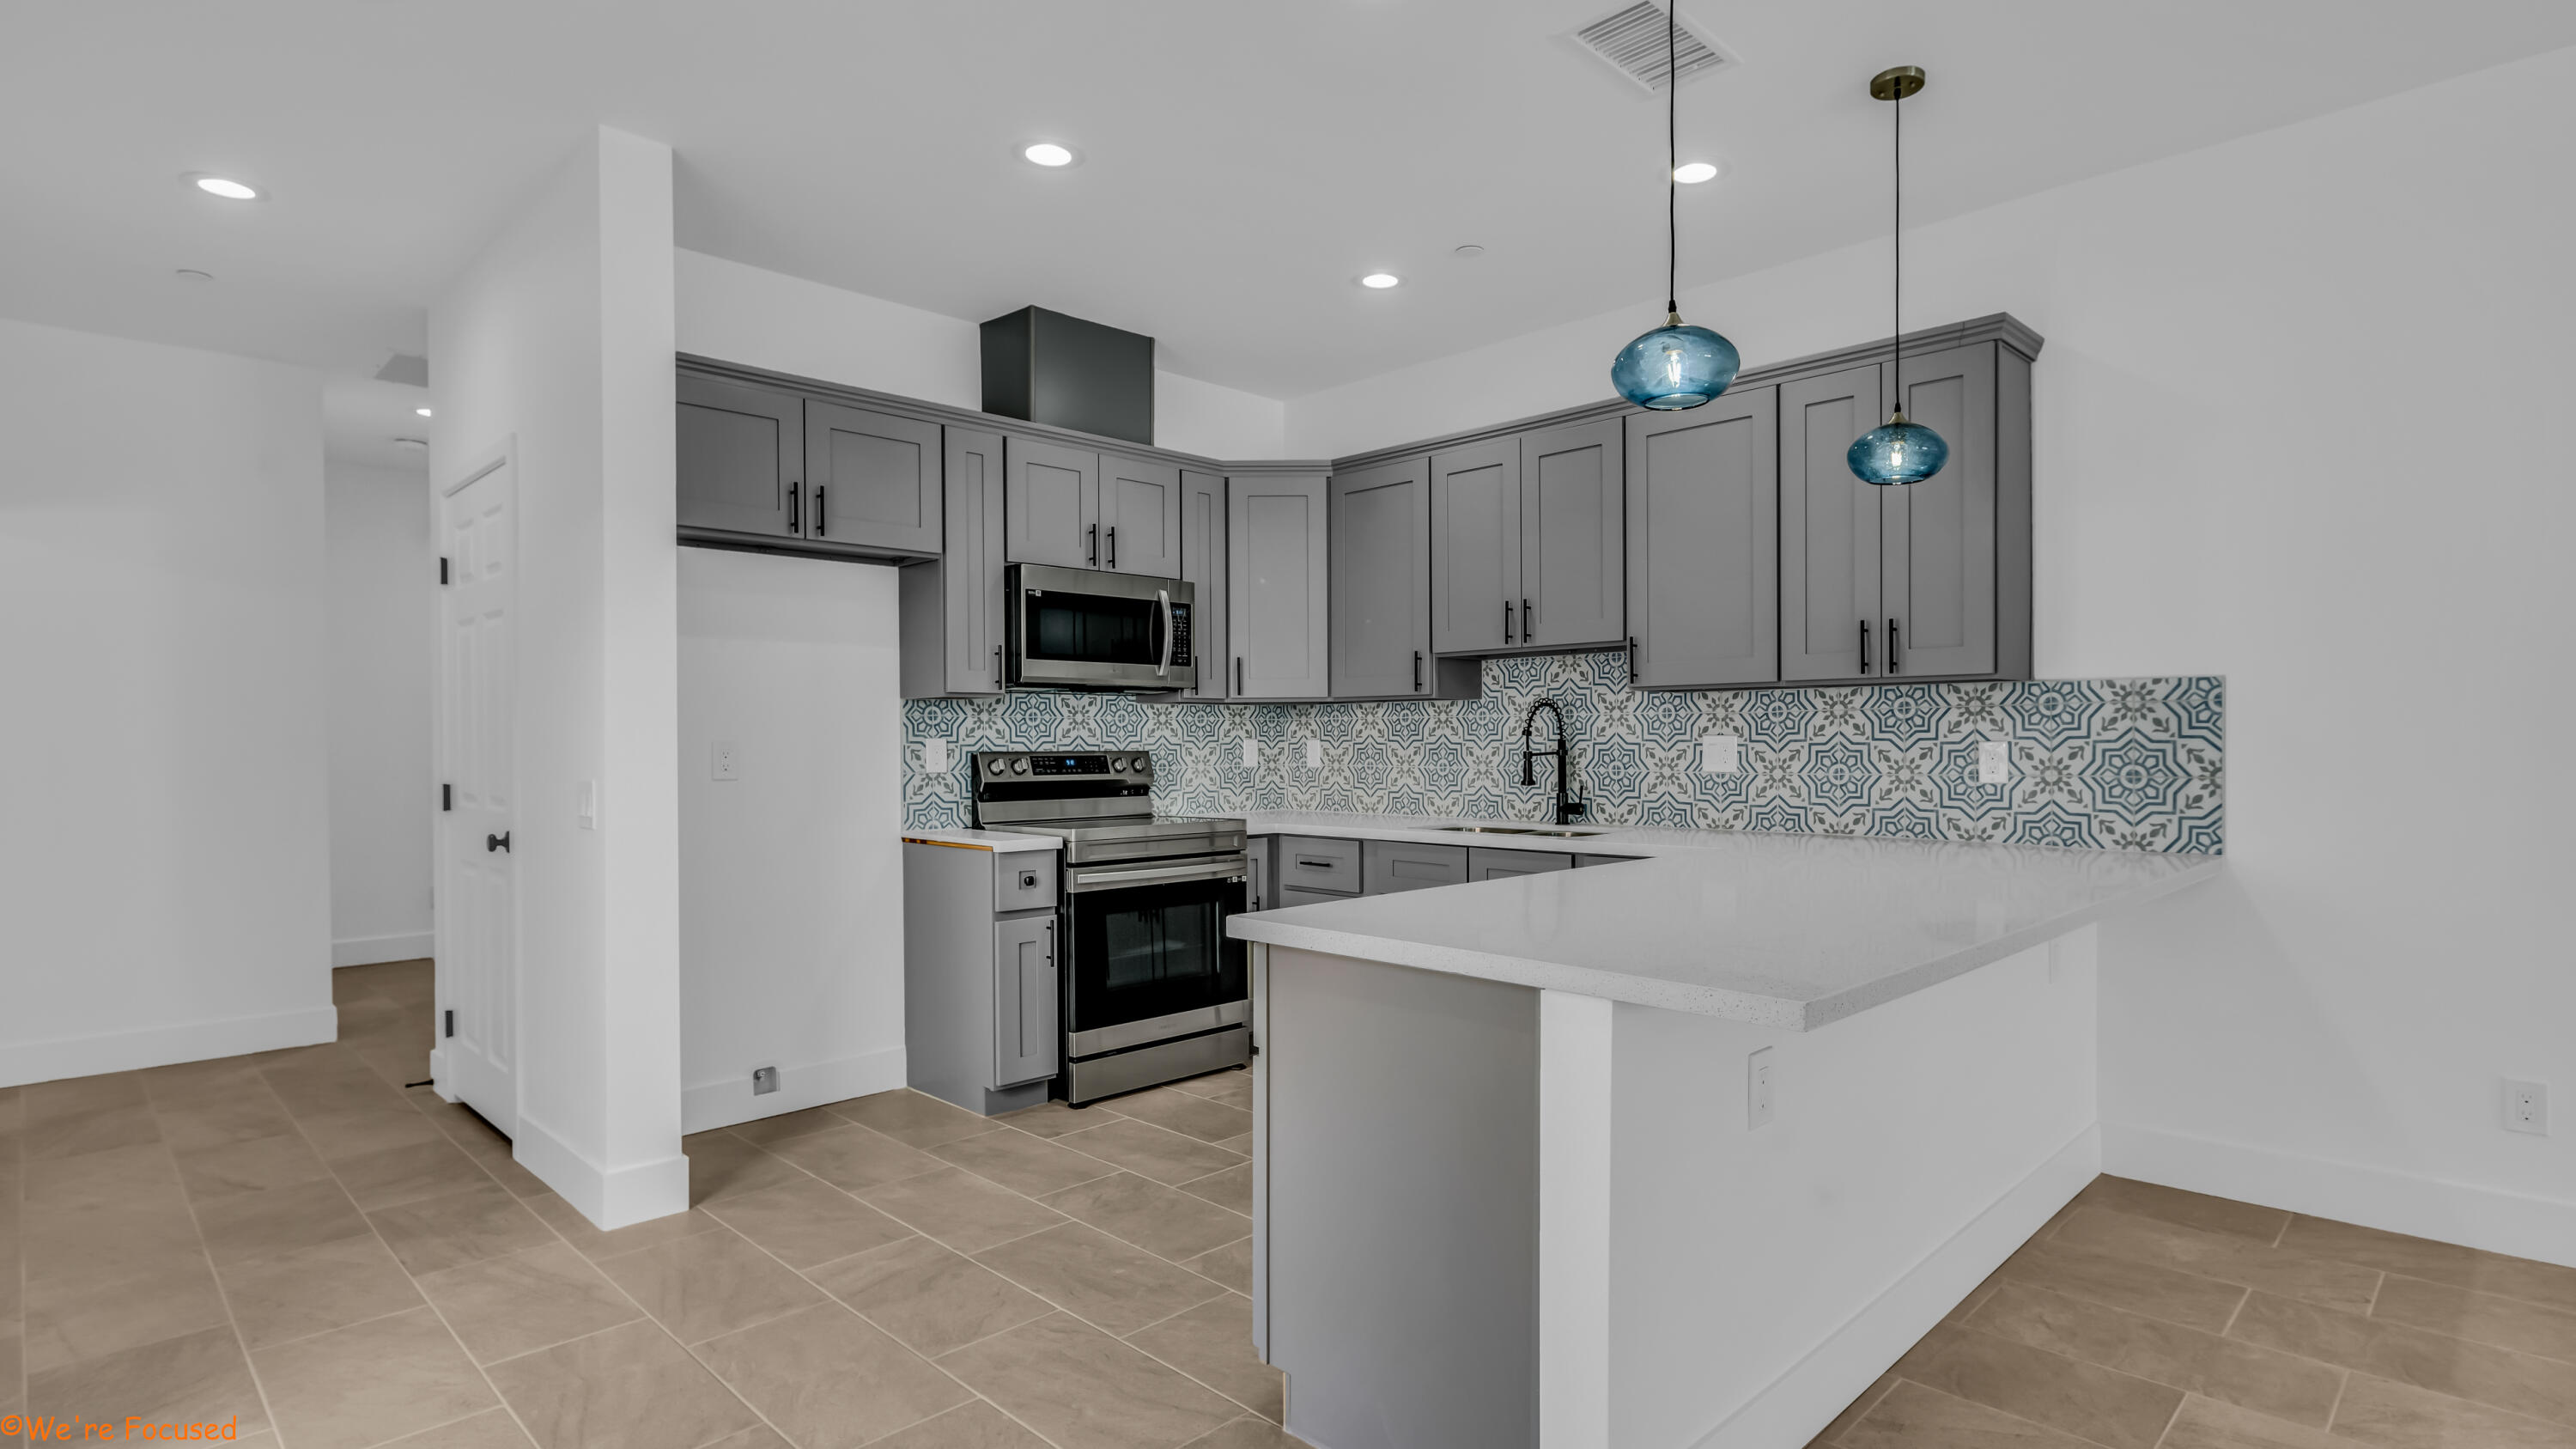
x: 1163, y: 666
x: 1105, y: 880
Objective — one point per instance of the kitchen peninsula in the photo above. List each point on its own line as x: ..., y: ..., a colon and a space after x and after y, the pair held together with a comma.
x: 1517, y: 1136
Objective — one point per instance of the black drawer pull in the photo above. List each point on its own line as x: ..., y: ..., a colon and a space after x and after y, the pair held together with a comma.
x: 1312, y: 864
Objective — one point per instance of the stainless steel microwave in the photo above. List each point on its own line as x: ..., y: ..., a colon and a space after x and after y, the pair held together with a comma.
x: 1091, y: 629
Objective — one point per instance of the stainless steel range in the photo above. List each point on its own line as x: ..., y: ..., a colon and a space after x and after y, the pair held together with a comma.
x: 1152, y: 989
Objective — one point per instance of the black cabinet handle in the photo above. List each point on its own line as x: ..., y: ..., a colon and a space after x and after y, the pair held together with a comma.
x: 819, y: 528
x: 496, y: 842
x: 1095, y: 545
x: 1864, y: 646
x: 1891, y: 646
x: 1507, y: 621
x: 1113, y: 545
x: 1529, y: 620
x: 997, y: 666
x: 1632, y: 659
x: 791, y: 506
x: 1417, y: 670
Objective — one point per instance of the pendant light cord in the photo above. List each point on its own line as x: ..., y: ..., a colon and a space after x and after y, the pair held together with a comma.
x: 1672, y: 161
x: 1896, y: 305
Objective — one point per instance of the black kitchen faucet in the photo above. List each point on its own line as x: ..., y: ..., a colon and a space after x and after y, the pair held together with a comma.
x: 1567, y: 811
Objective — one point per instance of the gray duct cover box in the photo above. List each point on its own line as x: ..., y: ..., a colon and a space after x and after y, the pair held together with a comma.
x: 1049, y: 368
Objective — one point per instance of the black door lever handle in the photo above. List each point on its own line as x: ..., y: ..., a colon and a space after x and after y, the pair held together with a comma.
x: 496, y: 842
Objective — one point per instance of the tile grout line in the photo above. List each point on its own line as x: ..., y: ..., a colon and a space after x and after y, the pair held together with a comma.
x: 2171, y: 1419
x: 223, y: 1294
x: 2341, y: 1384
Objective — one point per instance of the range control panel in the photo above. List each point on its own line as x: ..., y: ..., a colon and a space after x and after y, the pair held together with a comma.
x: 1111, y: 771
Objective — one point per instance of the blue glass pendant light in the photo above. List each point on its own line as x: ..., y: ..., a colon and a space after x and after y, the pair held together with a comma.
x: 1675, y: 366
x: 1898, y: 451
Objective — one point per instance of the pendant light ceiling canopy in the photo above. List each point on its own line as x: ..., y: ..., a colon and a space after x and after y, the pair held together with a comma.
x: 1675, y: 366
x: 1898, y: 451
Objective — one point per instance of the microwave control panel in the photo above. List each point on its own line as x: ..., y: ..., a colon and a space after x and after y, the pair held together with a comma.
x: 1180, y: 634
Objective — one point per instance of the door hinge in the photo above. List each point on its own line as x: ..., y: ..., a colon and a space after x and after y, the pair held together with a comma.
x: 446, y: 797
x: 442, y: 570
x: 450, y: 1022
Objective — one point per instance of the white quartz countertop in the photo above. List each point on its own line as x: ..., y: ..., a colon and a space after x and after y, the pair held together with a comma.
x: 1789, y: 931
x: 998, y: 840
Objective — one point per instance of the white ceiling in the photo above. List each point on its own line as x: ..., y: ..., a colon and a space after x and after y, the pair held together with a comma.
x: 1244, y: 159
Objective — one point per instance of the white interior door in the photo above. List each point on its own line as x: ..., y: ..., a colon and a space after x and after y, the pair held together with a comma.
x: 478, y: 926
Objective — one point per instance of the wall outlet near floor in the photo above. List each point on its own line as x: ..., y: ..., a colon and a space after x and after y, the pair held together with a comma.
x: 724, y: 760
x: 1758, y: 1090
x: 1251, y: 753
x: 934, y: 756
x: 1314, y: 754
x: 2526, y: 1107
x: 1994, y: 762
x: 764, y: 1080
x: 1720, y: 754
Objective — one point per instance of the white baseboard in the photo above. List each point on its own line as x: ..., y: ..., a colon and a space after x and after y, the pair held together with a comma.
x: 2374, y: 1197
x: 722, y: 1104
x: 160, y: 1046
x: 610, y: 1199
x: 368, y: 950
x: 1802, y: 1401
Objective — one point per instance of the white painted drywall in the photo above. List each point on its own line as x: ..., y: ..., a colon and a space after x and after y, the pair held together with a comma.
x: 165, y: 873
x: 740, y: 313
x: 791, y: 874
x: 377, y: 613
x: 2297, y: 423
x: 557, y: 340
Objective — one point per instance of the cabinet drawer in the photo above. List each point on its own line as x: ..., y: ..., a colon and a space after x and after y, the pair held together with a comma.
x: 1319, y: 863
x: 1023, y: 880
x: 1390, y: 867
x: 1300, y: 896
x: 1484, y: 863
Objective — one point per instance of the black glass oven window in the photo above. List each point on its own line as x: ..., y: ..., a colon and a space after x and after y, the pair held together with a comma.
x: 1158, y: 946
x: 1091, y: 629
x: 1149, y: 951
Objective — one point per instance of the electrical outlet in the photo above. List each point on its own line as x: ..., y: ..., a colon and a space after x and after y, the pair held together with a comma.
x: 1251, y: 754
x: 1758, y: 1090
x: 1994, y: 762
x: 1720, y: 754
x: 585, y: 804
x: 725, y: 760
x: 764, y: 1080
x: 934, y: 756
x: 2526, y: 1107
x: 1314, y: 754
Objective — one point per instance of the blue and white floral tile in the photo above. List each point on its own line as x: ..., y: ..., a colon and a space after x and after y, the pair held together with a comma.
x: 2123, y: 764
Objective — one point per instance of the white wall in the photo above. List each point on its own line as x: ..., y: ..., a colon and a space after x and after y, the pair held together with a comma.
x: 791, y: 876
x: 759, y: 318
x: 165, y: 885
x: 2297, y: 423
x: 556, y: 342
x: 382, y: 583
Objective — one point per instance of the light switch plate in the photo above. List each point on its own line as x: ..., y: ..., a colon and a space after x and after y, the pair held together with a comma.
x: 1314, y: 754
x: 934, y: 756
x: 1251, y: 753
x: 725, y: 760
x: 1720, y: 754
x: 1994, y: 762
x: 585, y: 804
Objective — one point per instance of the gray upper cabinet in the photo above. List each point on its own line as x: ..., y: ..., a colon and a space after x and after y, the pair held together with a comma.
x: 741, y: 451
x: 1051, y: 504
x: 1276, y: 587
x: 871, y: 481
x: 952, y: 605
x: 1937, y: 538
x: 1381, y: 581
x: 1704, y: 543
x: 1476, y: 548
x: 1202, y: 563
x: 1140, y: 517
x: 1830, y: 626
x: 1573, y: 541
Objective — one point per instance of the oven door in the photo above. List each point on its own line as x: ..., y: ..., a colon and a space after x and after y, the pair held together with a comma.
x: 1086, y: 629
x: 1147, y: 956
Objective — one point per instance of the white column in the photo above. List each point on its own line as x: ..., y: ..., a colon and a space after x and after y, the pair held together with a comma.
x: 1574, y: 1035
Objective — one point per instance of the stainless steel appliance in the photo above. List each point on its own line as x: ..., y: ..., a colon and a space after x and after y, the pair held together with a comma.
x: 1091, y: 629
x: 1152, y: 988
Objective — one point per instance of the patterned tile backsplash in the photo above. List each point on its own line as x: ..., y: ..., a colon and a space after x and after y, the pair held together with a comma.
x: 2124, y: 764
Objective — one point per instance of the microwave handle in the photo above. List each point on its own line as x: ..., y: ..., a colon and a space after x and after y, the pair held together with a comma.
x: 1163, y: 598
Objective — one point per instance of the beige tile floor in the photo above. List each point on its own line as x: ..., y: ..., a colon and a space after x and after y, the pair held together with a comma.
x: 294, y: 1240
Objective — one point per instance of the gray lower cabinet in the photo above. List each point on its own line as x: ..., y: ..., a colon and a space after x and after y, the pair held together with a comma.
x: 1276, y: 587
x: 1573, y: 583
x: 1320, y: 863
x: 871, y: 482
x: 1305, y: 896
x: 1026, y: 1038
x: 1140, y: 517
x: 952, y: 605
x: 1388, y: 866
x: 1259, y: 872
x: 1051, y: 504
x: 1485, y: 863
x: 741, y: 456
x: 1704, y: 544
x: 980, y: 978
x: 1583, y: 861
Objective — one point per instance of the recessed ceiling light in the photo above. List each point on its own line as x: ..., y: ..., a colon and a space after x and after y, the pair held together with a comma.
x: 411, y: 442
x: 1048, y: 153
x: 191, y: 274
x: 223, y: 186
x: 424, y: 412
x: 1469, y: 250
x: 1692, y: 173
x: 1380, y: 280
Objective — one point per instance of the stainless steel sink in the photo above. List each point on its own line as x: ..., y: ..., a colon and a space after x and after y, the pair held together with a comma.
x: 1566, y: 834
x: 1519, y: 830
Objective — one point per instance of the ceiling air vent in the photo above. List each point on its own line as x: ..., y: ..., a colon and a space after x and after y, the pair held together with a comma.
x: 1632, y: 41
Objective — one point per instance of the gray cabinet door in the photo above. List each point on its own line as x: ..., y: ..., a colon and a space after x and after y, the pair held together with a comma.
x: 1276, y: 586
x: 1051, y: 504
x: 1829, y: 529
x: 871, y: 481
x: 1937, y: 547
x: 1573, y: 537
x: 1476, y: 548
x: 1026, y: 1039
x: 1381, y: 590
x: 1140, y: 517
x: 1704, y: 543
x: 1203, y: 564
x: 1388, y: 866
x: 971, y: 566
x: 1488, y: 864
x: 741, y: 449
